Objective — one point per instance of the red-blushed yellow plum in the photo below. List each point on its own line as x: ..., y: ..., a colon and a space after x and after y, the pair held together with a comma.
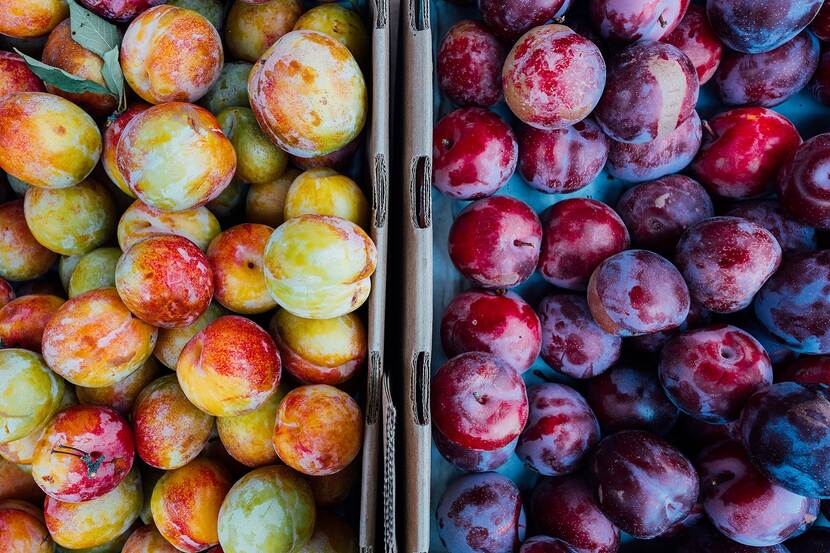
x: 15, y: 75
x: 258, y: 160
x: 47, y: 141
x: 174, y: 156
x: 63, y: 52
x: 94, y: 270
x: 98, y: 521
x: 169, y: 430
x: 171, y: 341
x: 247, y: 437
x: 236, y: 257
x: 308, y: 94
x: 230, y: 367
x: 252, y: 28
x: 16, y: 483
x: 171, y: 54
x: 6, y: 292
x: 21, y: 256
x: 269, y: 509
x: 326, y: 192
x: 147, y: 539
x: 318, y: 266
x: 265, y: 203
x: 71, y: 221
x: 112, y: 133
x: 29, y: 393
x: 22, y: 529
x: 22, y: 320
x: 121, y: 395
x: 141, y: 221
x: 340, y: 23
x: 30, y: 18
x: 319, y: 429
x: 165, y: 280
x: 186, y: 502
x: 320, y: 351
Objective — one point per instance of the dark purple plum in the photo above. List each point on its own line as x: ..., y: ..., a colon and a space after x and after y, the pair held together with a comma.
x: 778, y: 352
x: 511, y: 19
x: 635, y: 20
x: 743, y: 504
x: 692, y: 519
x: 703, y: 538
x: 545, y: 544
x: 820, y: 85
x: 814, y: 540
x: 793, y: 236
x: 786, y: 431
x: 653, y: 343
x: 472, y: 460
x: 560, y: 430
x: 572, y: 343
x: 753, y: 27
x: 628, y: 397
x: 725, y: 261
x: 811, y: 369
x: 803, y: 186
x: 694, y: 435
x: 794, y: 305
x: 641, y: 483
x: 481, y: 513
x: 565, y: 508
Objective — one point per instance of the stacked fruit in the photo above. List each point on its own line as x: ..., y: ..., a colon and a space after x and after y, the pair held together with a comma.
x: 671, y: 408
x: 174, y: 253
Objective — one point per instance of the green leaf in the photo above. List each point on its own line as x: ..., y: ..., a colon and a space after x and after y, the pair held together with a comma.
x: 60, y: 78
x: 92, y: 32
x: 114, y: 78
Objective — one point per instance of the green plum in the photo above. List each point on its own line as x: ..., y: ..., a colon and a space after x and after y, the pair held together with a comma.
x: 94, y: 270
x: 258, y: 160
x: 212, y: 10
x: 231, y: 89
x: 30, y: 393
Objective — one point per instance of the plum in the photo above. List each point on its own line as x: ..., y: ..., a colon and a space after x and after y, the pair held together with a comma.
x: 469, y: 63
x: 794, y: 305
x: 726, y: 260
x: 657, y: 212
x: 754, y: 27
x: 572, y: 343
x: 578, y: 234
x: 809, y: 369
x: 786, y: 431
x: 770, y: 78
x: 250, y: 29
x: 497, y: 322
x: 703, y: 537
x: 495, y: 242
x: 545, y: 544
x: 472, y: 460
x: 743, y: 151
x: 15, y: 75
x: 562, y: 160
x: 642, y: 484
x: 565, y: 508
x: 652, y: 88
x: 481, y: 513
x: 474, y: 153
x: 820, y: 25
x: 743, y: 504
x: 509, y: 20
x: 820, y: 85
x: 709, y: 373
x: 636, y: 20
x: 478, y: 401
x: 561, y: 429
x: 793, y: 236
x: 637, y: 292
x: 630, y: 397
x: 694, y: 37
x: 803, y: 186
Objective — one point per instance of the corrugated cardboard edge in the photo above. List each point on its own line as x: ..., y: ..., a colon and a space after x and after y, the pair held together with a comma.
x: 378, y: 171
x: 417, y: 233
x: 389, y: 430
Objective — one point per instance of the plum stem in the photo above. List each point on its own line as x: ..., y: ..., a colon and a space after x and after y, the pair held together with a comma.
x: 92, y: 461
x: 479, y: 398
x: 663, y: 22
x: 446, y: 143
x: 522, y: 244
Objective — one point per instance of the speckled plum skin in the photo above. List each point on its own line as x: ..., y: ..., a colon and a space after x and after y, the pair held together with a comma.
x: 743, y: 504
x: 637, y: 292
x: 539, y: 73
x: 572, y: 343
x: 642, y: 484
x: 662, y: 156
x: 814, y: 540
x: 478, y: 401
x: 578, y: 234
x: 481, y: 513
x: 820, y: 85
x: 495, y: 242
x: 562, y: 160
x: 474, y: 153
x: 560, y: 430
x: 629, y: 397
x: 15, y: 75
x: 694, y: 37
x: 657, y: 212
x: 565, y: 508
x: 652, y: 89
x: 509, y: 20
x: 786, y: 431
x: 59, y: 465
x: 755, y: 27
x: 496, y: 322
x: 636, y: 20
x: 793, y: 236
x: 545, y: 544
x: 22, y: 528
x: 472, y: 460
x: 810, y: 369
x: 23, y: 320
x: 770, y: 78
x: 743, y: 151
x: 803, y: 186
x: 726, y: 260
x: 469, y: 63
x: 711, y: 372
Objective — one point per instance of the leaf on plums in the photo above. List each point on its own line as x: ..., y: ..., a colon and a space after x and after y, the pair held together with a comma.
x: 92, y: 32
x: 61, y: 79
x: 114, y: 78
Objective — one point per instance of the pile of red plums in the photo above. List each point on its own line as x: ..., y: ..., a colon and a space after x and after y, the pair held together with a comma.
x: 685, y: 328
